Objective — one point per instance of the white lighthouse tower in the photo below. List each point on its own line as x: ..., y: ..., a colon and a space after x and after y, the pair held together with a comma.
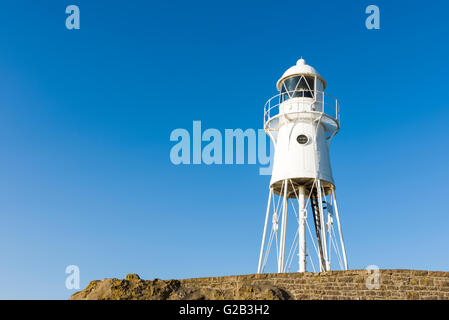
x: 302, y: 120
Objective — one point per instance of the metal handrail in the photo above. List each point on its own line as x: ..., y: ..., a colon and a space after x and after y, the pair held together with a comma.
x: 277, y: 100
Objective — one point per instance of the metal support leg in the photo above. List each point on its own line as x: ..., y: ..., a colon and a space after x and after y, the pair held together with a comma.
x: 323, y: 226
x: 339, y: 230
x: 262, y: 246
x: 301, y: 228
x: 283, y: 229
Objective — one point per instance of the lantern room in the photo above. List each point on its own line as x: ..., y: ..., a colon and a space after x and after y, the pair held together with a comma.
x: 301, y: 80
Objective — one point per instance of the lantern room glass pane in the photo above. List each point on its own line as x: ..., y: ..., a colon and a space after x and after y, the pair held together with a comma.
x: 306, y: 87
x: 288, y: 88
x: 299, y: 86
x: 291, y: 83
x: 284, y: 95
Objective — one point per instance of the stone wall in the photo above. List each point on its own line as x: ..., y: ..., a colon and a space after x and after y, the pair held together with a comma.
x: 352, y: 284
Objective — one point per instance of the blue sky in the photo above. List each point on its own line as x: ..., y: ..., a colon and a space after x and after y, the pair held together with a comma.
x: 86, y: 116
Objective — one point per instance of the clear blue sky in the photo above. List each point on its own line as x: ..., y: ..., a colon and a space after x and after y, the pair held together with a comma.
x: 86, y: 115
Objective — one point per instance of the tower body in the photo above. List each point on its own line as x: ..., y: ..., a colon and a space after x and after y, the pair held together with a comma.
x: 302, y: 120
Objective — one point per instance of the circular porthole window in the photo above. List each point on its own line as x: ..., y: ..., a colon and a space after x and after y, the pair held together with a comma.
x: 302, y: 139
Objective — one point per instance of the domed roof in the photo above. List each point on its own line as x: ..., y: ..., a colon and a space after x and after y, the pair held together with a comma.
x: 301, y: 68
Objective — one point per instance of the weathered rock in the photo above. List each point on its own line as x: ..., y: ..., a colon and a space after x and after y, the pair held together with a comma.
x: 393, y: 284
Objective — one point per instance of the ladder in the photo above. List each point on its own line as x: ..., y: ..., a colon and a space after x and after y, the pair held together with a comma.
x: 316, y: 219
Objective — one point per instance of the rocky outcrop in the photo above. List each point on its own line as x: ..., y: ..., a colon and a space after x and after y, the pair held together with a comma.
x: 353, y: 284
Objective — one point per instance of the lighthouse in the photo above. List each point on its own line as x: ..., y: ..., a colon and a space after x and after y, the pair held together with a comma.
x: 301, y: 120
